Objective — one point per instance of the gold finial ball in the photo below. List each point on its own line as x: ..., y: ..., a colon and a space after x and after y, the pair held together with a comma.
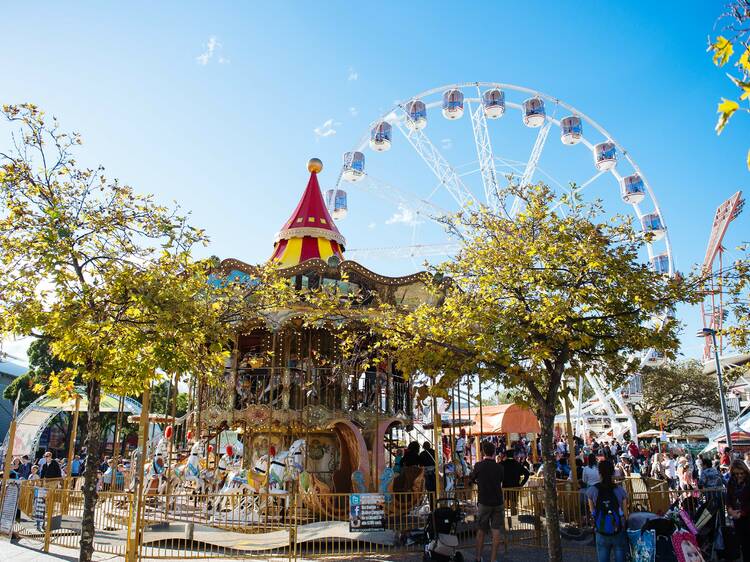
x: 314, y: 165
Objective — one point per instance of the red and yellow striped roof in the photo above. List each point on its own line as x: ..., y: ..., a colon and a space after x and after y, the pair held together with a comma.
x: 310, y: 232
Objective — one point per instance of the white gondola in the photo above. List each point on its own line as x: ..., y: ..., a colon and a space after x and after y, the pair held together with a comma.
x: 652, y: 223
x: 453, y: 104
x: 493, y: 102
x: 605, y: 156
x: 336, y: 203
x: 660, y: 264
x: 354, y: 166
x: 416, y: 114
x: 380, y: 136
x: 632, y: 189
x: 533, y: 112
x: 653, y: 358
x: 571, y: 130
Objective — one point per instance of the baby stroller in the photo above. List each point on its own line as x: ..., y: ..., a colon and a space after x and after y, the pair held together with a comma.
x: 441, y: 532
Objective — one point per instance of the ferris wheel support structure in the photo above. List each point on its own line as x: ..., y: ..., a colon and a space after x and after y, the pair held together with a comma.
x: 485, y: 155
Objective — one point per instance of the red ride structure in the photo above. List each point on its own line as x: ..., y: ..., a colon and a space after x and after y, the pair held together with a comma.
x: 712, y: 307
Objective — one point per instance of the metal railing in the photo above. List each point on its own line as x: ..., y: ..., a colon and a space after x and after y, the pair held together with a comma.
x: 309, y: 525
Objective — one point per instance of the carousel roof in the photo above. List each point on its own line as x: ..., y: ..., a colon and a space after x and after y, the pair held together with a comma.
x: 310, y: 232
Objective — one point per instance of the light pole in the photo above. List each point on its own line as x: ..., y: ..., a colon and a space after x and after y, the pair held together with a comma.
x: 704, y: 333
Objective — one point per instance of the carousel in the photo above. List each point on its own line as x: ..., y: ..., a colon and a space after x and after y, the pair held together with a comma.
x: 301, y: 418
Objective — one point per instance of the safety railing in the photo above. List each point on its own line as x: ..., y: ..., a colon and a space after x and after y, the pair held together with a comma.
x: 312, y: 525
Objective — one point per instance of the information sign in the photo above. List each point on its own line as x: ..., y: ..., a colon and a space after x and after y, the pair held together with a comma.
x: 366, y: 512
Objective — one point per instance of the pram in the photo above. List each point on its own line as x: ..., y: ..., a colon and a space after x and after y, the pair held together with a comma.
x: 441, y: 538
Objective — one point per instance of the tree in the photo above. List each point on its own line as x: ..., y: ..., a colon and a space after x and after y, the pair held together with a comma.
x: 42, y: 364
x: 682, y: 389
x: 737, y: 280
x: 162, y: 396
x: 103, y: 274
x: 531, y: 301
x: 735, y: 24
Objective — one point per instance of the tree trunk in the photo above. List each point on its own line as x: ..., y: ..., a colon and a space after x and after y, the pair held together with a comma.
x: 552, y: 515
x: 93, y: 453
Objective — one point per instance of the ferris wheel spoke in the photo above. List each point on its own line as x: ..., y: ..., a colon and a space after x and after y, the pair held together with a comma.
x: 421, y: 208
x: 536, y: 153
x: 484, y: 154
x: 444, y: 172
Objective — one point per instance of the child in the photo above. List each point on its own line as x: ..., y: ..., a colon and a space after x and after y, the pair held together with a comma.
x: 40, y: 504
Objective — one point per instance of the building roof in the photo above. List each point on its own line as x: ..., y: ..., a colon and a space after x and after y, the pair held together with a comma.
x: 310, y: 231
x: 12, y: 368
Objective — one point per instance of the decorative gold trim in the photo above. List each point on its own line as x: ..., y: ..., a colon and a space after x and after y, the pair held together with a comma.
x: 311, y: 231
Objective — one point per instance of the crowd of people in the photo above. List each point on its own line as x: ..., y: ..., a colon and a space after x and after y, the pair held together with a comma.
x: 721, y: 480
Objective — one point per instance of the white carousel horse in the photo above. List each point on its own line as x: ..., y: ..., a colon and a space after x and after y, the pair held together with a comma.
x: 190, y: 472
x: 250, y: 485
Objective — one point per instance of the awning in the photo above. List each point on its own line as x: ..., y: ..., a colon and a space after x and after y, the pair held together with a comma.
x: 505, y: 418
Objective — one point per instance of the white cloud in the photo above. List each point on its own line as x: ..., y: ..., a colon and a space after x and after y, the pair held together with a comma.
x: 353, y: 111
x: 404, y: 215
x: 371, y: 226
x: 213, y: 47
x: 326, y: 129
x: 353, y: 75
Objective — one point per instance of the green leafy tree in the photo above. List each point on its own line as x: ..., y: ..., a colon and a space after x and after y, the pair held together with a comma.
x: 102, y: 273
x: 531, y: 301
x: 737, y: 280
x: 682, y: 389
x: 735, y: 40
x: 162, y: 396
x: 42, y: 364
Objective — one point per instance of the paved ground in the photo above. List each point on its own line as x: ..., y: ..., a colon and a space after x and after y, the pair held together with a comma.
x: 27, y: 550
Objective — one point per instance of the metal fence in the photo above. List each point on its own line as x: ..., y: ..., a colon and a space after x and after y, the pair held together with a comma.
x: 250, y: 525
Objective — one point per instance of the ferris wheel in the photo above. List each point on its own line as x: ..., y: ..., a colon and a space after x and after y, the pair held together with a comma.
x: 403, y: 158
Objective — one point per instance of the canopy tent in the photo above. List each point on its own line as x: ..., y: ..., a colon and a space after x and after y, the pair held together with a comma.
x: 653, y: 433
x: 504, y: 418
x: 738, y: 437
x: 31, y: 423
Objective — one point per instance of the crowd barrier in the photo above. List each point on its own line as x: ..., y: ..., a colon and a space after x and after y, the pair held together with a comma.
x: 297, y: 525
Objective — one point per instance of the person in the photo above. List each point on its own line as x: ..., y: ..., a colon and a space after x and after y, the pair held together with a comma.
x: 461, y: 444
x: 738, y: 504
x: 40, y: 506
x: 411, y: 458
x: 608, y: 504
x: 488, y: 476
x: 75, y: 466
x: 108, y: 476
x: 51, y: 468
x: 25, y: 469
x: 398, y: 460
x: 590, y: 474
x: 515, y: 474
x: 427, y: 462
x: 725, y: 457
x: 670, y: 469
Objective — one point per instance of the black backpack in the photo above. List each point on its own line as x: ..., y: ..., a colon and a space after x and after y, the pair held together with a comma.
x: 607, y: 516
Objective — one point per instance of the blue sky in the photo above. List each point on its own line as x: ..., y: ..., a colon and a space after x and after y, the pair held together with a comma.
x: 225, y: 125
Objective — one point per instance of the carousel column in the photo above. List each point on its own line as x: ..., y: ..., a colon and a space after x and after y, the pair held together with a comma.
x: 480, y: 437
x: 72, y: 445
x: 170, y: 440
x: 132, y: 551
x: 571, y: 442
x: 286, y: 379
x: 235, y: 373
x: 437, y: 430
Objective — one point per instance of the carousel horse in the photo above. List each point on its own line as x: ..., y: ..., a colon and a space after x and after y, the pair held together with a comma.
x: 155, y: 475
x: 251, y: 486
x: 190, y: 471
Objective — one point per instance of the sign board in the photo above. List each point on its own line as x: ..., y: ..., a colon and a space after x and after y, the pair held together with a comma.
x: 10, y: 506
x: 366, y: 512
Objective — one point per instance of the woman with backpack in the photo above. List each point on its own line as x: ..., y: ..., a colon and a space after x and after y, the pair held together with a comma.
x: 608, y: 503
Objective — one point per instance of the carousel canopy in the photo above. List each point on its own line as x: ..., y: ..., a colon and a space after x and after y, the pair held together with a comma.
x: 505, y: 418
x: 310, y: 232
